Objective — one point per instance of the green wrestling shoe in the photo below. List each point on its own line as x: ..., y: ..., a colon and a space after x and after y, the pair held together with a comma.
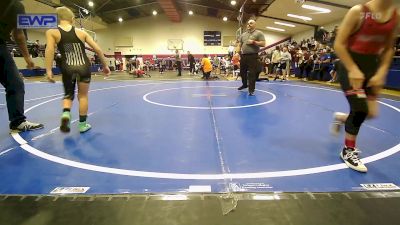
x: 65, y: 122
x: 84, y: 126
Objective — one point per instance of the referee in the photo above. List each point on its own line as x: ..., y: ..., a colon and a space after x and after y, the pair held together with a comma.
x: 249, y: 44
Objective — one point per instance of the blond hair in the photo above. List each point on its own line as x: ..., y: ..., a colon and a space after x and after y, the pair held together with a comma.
x: 65, y: 13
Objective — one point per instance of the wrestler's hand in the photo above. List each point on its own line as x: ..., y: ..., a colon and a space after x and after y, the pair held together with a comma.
x: 376, y: 81
x: 106, y: 71
x: 30, y: 65
x: 50, y: 77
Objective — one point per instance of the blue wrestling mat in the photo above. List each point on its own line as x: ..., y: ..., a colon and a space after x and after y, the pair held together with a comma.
x: 189, y: 136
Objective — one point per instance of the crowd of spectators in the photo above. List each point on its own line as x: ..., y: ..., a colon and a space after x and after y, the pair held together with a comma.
x: 309, y: 59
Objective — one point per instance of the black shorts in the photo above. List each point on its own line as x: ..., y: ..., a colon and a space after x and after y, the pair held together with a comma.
x: 282, y: 66
x: 368, y: 64
x: 73, y: 74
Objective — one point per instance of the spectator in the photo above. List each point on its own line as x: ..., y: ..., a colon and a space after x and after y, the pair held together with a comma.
x: 216, y: 64
x: 309, y: 64
x: 236, y: 61
x: 191, y: 62
x: 267, y: 62
x: 231, y: 50
x: 9, y: 76
x: 276, y: 55
x: 178, y: 60
x: 36, y: 49
x: 325, y: 63
x: 206, y: 67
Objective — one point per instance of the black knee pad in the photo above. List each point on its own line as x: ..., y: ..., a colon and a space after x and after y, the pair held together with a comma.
x: 358, y: 114
x: 354, y: 121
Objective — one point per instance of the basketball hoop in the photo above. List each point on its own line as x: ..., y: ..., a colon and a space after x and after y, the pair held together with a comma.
x: 175, y: 44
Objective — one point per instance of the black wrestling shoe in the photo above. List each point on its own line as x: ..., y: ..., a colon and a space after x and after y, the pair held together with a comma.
x: 350, y: 157
x: 242, y: 87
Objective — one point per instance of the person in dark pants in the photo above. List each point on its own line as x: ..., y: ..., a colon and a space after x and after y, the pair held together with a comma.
x: 9, y: 75
x: 309, y: 64
x: 178, y: 60
x: 364, y: 45
x: 326, y: 59
x: 261, y: 66
x: 191, y: 62
x: 250, y: 43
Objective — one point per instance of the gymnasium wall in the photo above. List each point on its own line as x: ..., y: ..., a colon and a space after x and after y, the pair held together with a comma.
x: 150, y: 35
x: 329, y: 27
x: 310, y: 33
